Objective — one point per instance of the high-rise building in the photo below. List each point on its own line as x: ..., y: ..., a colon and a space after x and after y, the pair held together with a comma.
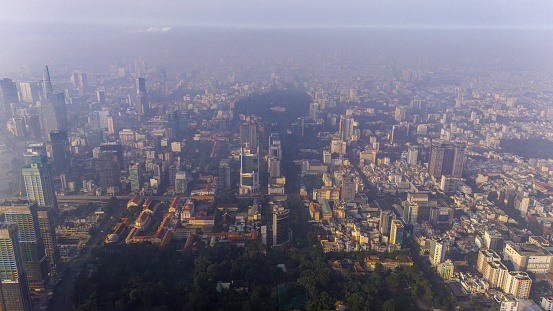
x: 29, y: 92
x: 327, y: 157
x: 60, y: 144
x: 485, y: 255
x: 46, y: 83
x: 135, y: 175
x: 400, y: 114
x: 101, y: 97
x: 384, y: 225
x: 248, y: 135
x: 399, y: 134
x: 181, y: 184
x: 346, y: 128
x: 413, y: 155
x: 37, y: 177
x: 280, y: 226
x: 47, y: 227
x: 347, y: 191
x: 495, y: 273
x: 8, y: 96
x: 396, y: 232
x: 58, y: 100
x: 108, y: 167
x: 313, y: 111
x: 518, y: 284
x: 521, y: 203
x: 53, y: 113
x: 79, y: 80
x: 249, y: 171
x: 14, y: 287
x: 274, y: 167
x: 410, y: 212
x: 111, y: 125
x: 275, y: 148
x: 446, y: 159
x: 437, y: 251
x: 441, y: 216
x: 224, y: 174
x: 25, y: 216
x: 117, y: 148
x: 142, y: 99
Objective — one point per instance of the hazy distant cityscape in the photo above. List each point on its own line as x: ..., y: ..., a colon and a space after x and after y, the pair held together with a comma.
x: 310, y: 167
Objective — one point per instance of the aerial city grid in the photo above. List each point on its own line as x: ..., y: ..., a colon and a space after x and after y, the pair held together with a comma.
x: 278, y: 168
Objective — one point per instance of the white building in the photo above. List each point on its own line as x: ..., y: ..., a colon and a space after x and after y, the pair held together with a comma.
x: 437, y: 251
x: 547, y: 303
x: 529, y: 257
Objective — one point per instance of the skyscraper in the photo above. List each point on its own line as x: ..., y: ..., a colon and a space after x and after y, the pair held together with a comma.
x: 117, y: 148
x: 224, y: 174
x: 180, y: 182
x: 446, y: 159
x: 135, y: 175
x: 37, y: 178
x: 46, y: 83
x: 101, y: 97
x: 15, y: 291
x: 249, y: 171
x: 25, y: 216
x: 410, y: 212
x: 48, y: 232
x: 248, y: 135
x: 29, y: 92
x: 346, y: 128
x: 437, y: 251
x: 280, y: 226
x: 58, y: 101
x: 60, y: 144
x: 396, y: 232
x: 142, y: 99
x: 347, y: 191
x: 385, y: 218
x: 108, y: 167
x: 413, y: 155
x: 274, y: 167
x: 8, y: 95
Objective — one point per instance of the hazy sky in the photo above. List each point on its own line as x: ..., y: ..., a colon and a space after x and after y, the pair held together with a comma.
x: 78, y: 32
x: 284, y: 13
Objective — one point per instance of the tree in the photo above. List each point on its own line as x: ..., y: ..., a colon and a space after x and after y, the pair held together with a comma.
x: 390, y: 305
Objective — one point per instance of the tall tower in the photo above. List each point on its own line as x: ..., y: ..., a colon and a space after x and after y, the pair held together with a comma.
x: 249, y: 171
x: 15, y: 291
x: 135, y: 175
x: 25, y: 216
x: 385, y: 218
x: 412, y: 155
x: 180, y: 182
x: 37, y: 178
x: 346, y: 128
x: 60, y: 142
x: 8, y: 96
x: 280, y: 226
x: 109, y: 169
x: 396, y: 233
x: 437, y: 251
x: 142, y: 99
x: 46, y: 83
x: 60, y: 111
x: 224, y: 174
x: 48, y: 232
